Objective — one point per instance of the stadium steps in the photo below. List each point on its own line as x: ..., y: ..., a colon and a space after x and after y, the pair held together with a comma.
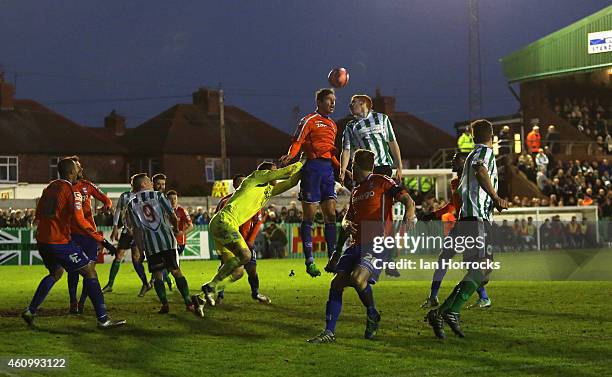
x: 519, y: 184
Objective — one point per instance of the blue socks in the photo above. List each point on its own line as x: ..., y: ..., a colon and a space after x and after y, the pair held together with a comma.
x: 254, y: 283
x: 42, y: 291
x: 333, y: 309
x: 73, y: 281
x: 330, y: 238
x: 367, y: 299
x: 482, y: 293
x: 92, y: 286
x: 306, y: 235
x: 139, y: 268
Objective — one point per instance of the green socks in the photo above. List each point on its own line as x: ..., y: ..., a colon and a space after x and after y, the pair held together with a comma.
x: 160, y: 289
x: 181, y: 284
x: 461, y: 294
x: 113, y: 272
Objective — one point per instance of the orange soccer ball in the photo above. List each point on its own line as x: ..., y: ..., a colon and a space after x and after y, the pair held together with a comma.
x: 338, y: 77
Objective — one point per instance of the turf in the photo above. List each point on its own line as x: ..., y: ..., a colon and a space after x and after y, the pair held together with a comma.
x: 534, y: 327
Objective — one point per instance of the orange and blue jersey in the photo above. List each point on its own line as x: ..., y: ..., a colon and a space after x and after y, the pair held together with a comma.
x: 371, y: 207
x: 87, y: 190
x: 184, y: 221
x: 316, y: 137
x: 455, y: 204
x: 59, y: 205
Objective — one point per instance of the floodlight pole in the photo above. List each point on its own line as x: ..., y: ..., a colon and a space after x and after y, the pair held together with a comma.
x: 222, y: 132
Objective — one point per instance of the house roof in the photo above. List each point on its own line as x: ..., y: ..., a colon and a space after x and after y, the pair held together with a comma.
x: 416, y: 137
x: 33, y: 128
x: 189, y: 129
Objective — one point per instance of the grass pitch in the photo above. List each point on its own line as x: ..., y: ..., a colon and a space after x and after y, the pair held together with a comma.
x: 533, y: 328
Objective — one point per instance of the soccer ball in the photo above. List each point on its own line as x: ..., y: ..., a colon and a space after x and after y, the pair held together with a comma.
x: 338, y: 77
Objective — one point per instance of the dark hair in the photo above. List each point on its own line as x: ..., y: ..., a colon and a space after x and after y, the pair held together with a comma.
x: 64, y: 166
x: 172, y: 192
x: 266, y: 165
x: 159, y: 177
x: 364, y: 159
x: 237, y: 177
x: 137, y: 179
x: 322, y: 93
x: 74, y: 158
x: 483, y: 130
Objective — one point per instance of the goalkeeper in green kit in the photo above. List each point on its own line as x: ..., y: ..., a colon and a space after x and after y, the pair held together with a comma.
x: 249, y: 198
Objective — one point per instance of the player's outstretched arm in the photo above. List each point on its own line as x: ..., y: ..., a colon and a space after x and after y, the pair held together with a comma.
x: 265, y: 176
x: 285, y: 185
x: 482, y: 176
x: 397, y: 158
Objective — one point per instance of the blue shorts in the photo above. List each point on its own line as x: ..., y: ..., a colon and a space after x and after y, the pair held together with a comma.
x: 317, y: 182
x: 180, y: 249
x: 69, y: 256
x: 87, y: 244
x: 354, y: 256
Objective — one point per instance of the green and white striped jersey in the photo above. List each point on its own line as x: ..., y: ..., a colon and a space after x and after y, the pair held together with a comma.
x: 374, y: 132
x: 475, y: 201
x: 147, y: 213
x: 122, y: 203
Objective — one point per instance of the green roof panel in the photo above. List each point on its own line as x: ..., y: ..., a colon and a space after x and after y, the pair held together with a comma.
x: 562, y: 52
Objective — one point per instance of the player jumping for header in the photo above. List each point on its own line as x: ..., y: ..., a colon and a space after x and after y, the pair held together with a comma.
x: 316, y: 136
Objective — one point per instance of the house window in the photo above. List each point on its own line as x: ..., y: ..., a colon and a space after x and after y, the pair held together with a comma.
x: 150, y: 166
x: 9, y: 169
x: 212, y: 169
x: 53, y: 168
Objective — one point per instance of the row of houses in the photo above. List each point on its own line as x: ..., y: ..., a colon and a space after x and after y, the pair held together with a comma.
x: 182, y: 141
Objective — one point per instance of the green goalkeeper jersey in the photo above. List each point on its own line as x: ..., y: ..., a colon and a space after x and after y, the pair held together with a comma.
x: 256, y: 190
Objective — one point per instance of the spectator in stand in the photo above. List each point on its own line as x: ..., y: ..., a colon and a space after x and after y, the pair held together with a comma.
x: 552, y: 139
x: 573, y: 230
x: 545, y: 234
x: 534, y: 140
x: 505, y: 141
x: 541, y: 161
x: 526, y: 165
x: 277, y: 239
x: 543, y: 183
x: 587, y: 200
x: 465, y: 143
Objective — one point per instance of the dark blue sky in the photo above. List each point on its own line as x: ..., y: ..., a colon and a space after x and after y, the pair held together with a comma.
x: 268, y: 55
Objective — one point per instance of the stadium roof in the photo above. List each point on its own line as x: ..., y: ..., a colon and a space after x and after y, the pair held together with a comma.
x: 32, y: 128
x: 563, y: 52
x: 189, y: 129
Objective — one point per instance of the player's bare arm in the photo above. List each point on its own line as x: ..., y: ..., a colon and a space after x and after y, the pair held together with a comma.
x: 484, y: 181
x: 397, y: 158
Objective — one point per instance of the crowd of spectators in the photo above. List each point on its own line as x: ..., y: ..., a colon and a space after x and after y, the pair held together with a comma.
x: 592, y: 116
x: 554, y: 234
x: 16, y: 218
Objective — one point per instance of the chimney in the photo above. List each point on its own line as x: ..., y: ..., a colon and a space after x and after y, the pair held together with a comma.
x: 207, y: 99
x: 384, y: 104
x: 115, y: 123
x: 7, y: 94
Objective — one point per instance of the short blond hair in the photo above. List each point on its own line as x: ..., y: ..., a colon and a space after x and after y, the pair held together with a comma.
x: 363, y: 97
